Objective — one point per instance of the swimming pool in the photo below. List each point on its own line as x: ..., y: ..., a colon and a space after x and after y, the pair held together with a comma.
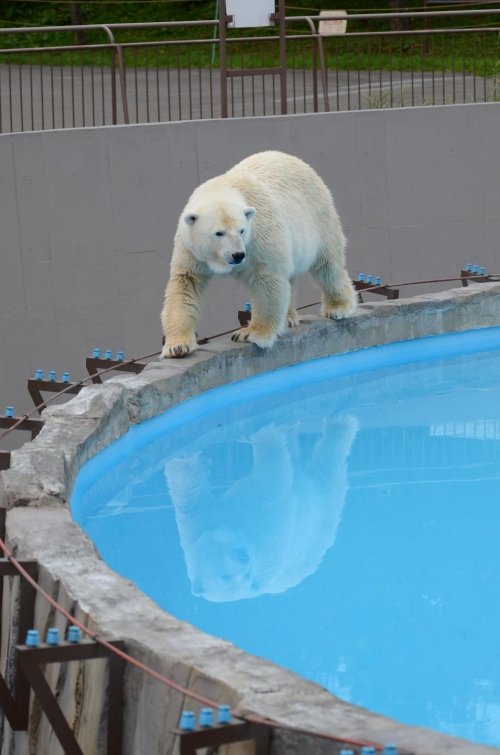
x: 338, y: 517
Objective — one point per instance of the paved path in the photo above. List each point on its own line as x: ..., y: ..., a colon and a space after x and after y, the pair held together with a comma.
x: 42, y: 97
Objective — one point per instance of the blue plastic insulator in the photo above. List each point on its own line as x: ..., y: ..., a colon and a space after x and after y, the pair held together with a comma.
x: 369, y: 278
x: 74, y: 634
x: 475, y: 268
x: 346, y: 752
x: 361, y: 277
x: 120, y: 356
x: 108, y: 354
x: 38, y: 374
x: 52, y: 636
x: 247, y: 307
x: 390, y: 750
x: 52, y: 375
x: 368, y: 751
x: 9, y: 411
x: 32, y: 639
x: 224, y: 714
x: 65, y: 377
x: 187, y: 720
x: 96, y: 353
x: 378, y: 280
x: 206, y: 717
x: 468, y: 267
x: 482, y: 270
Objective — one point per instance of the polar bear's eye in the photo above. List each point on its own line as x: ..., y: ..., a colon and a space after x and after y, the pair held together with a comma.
x: 219, y: 233
x: 242, y: 231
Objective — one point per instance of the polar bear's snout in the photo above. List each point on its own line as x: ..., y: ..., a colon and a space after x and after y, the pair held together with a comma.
x: 237, y: 258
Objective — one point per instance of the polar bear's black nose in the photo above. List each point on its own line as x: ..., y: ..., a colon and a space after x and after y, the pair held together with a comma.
x: 238, y: 257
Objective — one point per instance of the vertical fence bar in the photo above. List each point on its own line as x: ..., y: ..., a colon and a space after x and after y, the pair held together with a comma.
x: 474, y: 94
x: 92, y: 96
x: 63, y: 104
x: 231, y: 81
x: 1, y: 105
x: 9, y: 79
x: 294, y: 76
x: 369, y: 52
x: 433, y: 76
x: 52, y: 95
x: 72, y: 89
x: 157, y: 67
x: 304, y: 84
x: 136, y: 87
x: 21, y: 101
x: 200, y: 82
x: 337, y: 74
x: 82, y: 87
x: 390, y: 74
x: 169, y: 97
x: 242, y: 82
x: 103, y: 98
x: 146, y: 81
x: 179, y: 98
x: 32, y: 103
x: 464, y: 93
x: 190, y: 89
x: 42, y: 91
x: 211, y: 87
x: 485, y: 91
x: 358, y: 53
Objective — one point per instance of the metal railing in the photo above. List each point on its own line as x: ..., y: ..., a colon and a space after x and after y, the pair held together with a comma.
x: 293, y: 69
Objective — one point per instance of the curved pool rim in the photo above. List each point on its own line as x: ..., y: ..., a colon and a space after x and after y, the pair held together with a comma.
x: 427, y: 348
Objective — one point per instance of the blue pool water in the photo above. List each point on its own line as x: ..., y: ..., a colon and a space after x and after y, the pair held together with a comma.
x: 341, y: 518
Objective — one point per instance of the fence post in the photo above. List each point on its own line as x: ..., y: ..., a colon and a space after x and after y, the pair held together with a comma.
x: 222, y: 58
x: 283, y: 62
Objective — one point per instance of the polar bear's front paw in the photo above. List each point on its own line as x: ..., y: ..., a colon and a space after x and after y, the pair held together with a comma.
x: 292, y: 318
x: 254, y: 335
x: 176, y: 350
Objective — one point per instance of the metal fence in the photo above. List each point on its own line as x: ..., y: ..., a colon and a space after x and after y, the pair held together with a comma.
x: 438, y: 58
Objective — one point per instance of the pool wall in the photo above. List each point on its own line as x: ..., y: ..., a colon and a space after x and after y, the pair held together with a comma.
x: 36, y: 491
x: 88, y: 217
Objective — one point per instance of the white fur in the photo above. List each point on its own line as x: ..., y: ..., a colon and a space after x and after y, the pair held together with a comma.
x: 276, y: 211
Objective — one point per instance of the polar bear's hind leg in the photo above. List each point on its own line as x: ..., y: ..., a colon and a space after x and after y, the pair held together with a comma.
x: 338, y: 294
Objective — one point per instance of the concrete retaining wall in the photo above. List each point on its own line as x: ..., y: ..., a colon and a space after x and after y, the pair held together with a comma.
x: 36, y: 491
x: 88, y: 217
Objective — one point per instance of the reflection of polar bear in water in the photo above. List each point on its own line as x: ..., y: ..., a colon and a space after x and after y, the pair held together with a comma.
x: 271, y: 529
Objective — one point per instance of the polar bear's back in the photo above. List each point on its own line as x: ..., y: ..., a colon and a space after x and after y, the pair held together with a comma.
x: 292, y: 201
x: 280, y: 174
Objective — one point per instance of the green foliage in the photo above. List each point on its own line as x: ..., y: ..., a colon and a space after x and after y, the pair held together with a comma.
x: 444, y: 52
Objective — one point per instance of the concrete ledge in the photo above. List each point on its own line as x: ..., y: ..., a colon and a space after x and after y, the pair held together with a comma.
x: 36, y: 491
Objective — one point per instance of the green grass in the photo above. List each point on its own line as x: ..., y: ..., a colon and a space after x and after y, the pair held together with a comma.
x: 470, y: 53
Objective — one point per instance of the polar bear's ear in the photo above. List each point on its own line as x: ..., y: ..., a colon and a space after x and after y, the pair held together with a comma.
x: 191, y: 218
x: 249, y: 212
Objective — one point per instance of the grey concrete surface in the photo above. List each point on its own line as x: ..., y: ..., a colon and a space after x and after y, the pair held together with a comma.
x: 37, y: 489
x: 88, y: 217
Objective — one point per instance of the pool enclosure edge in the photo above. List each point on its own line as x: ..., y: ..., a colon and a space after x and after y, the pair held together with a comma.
x: 39, y: 526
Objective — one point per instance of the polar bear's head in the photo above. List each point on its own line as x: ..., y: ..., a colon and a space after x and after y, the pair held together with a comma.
x: 223, y: 568
x: 216, y: 230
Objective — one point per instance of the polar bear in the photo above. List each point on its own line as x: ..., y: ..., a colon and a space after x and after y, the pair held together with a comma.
x: 266, y: 221
x: 271, y: 529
